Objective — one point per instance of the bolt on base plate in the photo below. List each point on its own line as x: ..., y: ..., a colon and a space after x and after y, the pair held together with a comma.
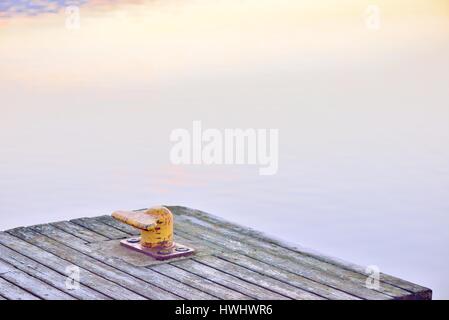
x: 177, y: 250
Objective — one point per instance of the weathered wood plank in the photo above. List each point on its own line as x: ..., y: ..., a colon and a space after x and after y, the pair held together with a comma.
x: 108, y: 220
x: 292, y: 291
x: 276, y: 273
x: 339, y: 279
x: 287, y: 277
x: 78, y: 231
x: 275, y: 250
x: 60, y: 265
x: 201, y: 248
x: 12, y: 292
x: 147, y: 275
x: 34, y: 286
x: 417, y: 290
x: 131, y: 283
x: 232, y: 262
x: 314, y: 286
x: 102, y: 229
x: 47, y: 275
x: 177, y: 273
x: 257, y: 278
x: 200, y: 283
x: 227, y: 280
x: 301, y: 282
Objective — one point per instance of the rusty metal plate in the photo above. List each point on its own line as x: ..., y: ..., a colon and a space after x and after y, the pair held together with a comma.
x: 178, y: 250
x: 114, y: 249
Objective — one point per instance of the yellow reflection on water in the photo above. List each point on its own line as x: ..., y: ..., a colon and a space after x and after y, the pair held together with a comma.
x: 141, y: 41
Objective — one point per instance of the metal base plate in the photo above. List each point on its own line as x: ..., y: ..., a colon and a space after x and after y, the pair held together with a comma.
x: 178, y: 250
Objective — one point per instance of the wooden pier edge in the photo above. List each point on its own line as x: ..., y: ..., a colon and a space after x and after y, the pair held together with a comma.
x: 418, y: 291
x: 232, y: 262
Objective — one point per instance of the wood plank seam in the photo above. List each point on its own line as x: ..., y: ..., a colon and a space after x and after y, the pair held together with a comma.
x: 281, y: 266
x: 405, y: 285
x: 265, y: 276
x: 245, y: 269
x: 233, y: 262
x: 125, y: 229
x: 285, y: 276
x: 201, y: 276
x: 24, y: 289
x: 77, y: 231
x: 95, y: 273
x: 106, y: 219
x: 33, y: 277
x: 121, y: 269
x: 241, y: 278
x: 382, y: 293
x: 203, y: 231
x: 310, y: 279
x: 81, y: 222
x: 95, y: 231
x: 55, y: 270
x: 269, y: 276
x: 114, y: 226
x: 229, y: 281
x: 213, y: 294
x: 13, y: 292
x: 226, y: 272
x: 90, y: 276
x: 102, y: 262
x: 45, y: 274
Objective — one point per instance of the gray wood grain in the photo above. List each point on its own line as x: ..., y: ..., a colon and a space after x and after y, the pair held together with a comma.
x: 108, y: 220
x: 60, y: 265
x: 76, y: 257
x: 287, y: 277
x: 199, y: 282
x: 228, y: 281
x: 353, y: 275
x: 418, y: 291
x: 34, y: 286
x: 47, y: 275
x: 232, y: 262
x: 12, y: 292
x: 174, y: 272
x: 326, y: 289
x: 276, y: 273
x: 78, y: 231
x: 257, y: 278
x: 343, y: 280
x: 99, y: 228
x: 149, y: 276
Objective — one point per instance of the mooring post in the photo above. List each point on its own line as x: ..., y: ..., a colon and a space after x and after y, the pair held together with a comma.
x: 156, y: 233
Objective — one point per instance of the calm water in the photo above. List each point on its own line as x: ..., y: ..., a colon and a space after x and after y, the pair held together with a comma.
x: 363, y: 117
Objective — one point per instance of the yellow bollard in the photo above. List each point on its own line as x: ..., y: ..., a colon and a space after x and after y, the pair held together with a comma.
x: 156, y: 232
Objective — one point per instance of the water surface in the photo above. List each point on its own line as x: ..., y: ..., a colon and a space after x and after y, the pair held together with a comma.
x: 363, y: 118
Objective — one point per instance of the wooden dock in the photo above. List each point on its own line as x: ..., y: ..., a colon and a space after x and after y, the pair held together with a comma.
x: 231, y: 262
